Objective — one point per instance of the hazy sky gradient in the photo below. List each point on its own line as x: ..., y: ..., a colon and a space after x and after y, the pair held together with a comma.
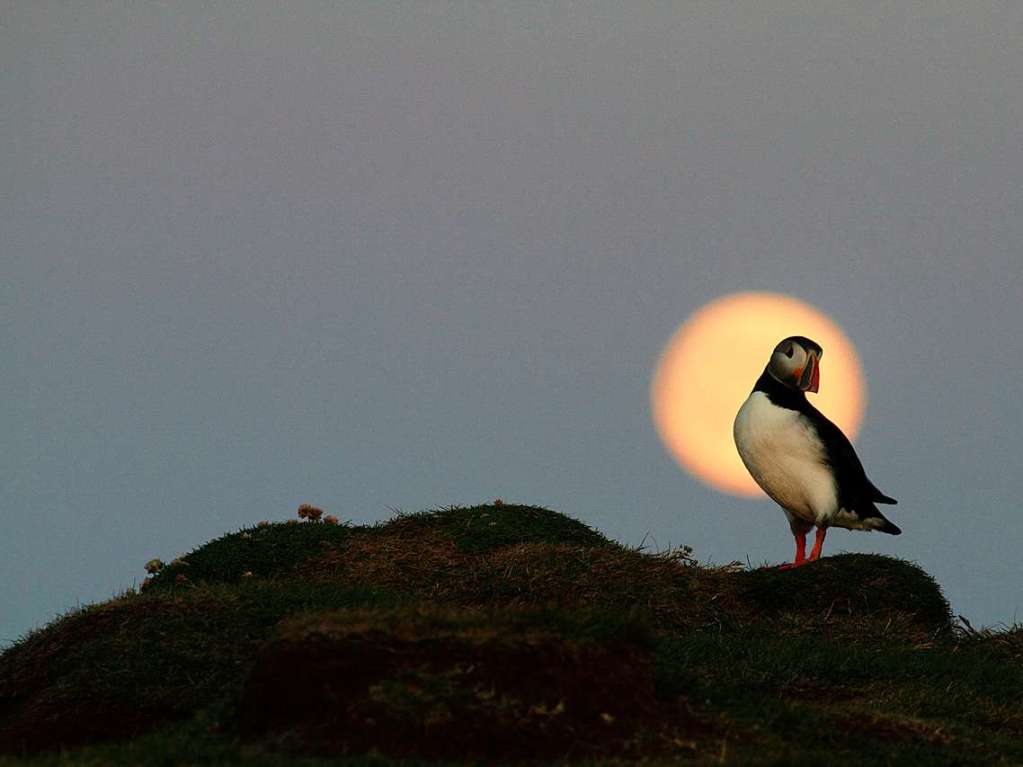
x: 402, y: 255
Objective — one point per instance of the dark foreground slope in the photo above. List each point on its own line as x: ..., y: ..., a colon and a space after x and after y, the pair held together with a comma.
x: 508, y: 633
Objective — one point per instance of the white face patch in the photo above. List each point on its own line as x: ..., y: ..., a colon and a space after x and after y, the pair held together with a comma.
x: 786, y: 361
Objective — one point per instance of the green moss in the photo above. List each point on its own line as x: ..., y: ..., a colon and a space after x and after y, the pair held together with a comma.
x: 851, y: 584
x: 448, y: 683
x: 484, y: 528
x: 193, y: 742
x: 118, y: 668
x: 872, y: 702
x: 432, y: 622
x: 274, y: 550
x: 265, y: 551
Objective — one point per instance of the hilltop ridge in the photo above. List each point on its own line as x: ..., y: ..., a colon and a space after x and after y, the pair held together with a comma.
x: 514, y: 633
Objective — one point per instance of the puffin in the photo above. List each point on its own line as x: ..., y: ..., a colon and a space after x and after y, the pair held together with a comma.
x: 800, y: 458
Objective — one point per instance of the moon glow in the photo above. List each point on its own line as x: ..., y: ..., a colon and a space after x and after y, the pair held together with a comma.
x: 709, y: 366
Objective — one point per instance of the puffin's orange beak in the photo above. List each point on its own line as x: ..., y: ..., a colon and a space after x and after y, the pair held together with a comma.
x: 810, y: 375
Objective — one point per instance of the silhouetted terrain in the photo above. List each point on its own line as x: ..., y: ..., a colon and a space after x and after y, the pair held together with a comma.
x: 514, y: 634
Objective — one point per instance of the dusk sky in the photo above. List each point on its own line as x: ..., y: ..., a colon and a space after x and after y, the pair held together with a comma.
x: 381, y: 255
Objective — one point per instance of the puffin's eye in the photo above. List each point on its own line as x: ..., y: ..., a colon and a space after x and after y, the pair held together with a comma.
x: 789, y: 351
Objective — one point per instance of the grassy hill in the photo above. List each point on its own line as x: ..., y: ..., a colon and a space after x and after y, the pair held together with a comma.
x: 508, y: 633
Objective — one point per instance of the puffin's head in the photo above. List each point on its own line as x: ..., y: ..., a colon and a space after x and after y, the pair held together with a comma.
x: 796, y: 363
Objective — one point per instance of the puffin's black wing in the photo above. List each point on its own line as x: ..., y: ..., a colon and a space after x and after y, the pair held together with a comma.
x: 856, y: 493
x: 853, y: 485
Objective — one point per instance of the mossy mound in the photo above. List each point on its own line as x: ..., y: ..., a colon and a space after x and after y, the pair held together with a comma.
x: 511, y: 631
x: 853, y: 595
x: 277, y: 550
x: 522, y: 555
x: 477, y: 529
x: 457, y: 684
x: 118, y: 669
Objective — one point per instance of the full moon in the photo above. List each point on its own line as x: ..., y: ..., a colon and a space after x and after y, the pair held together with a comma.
x: 710, y: 364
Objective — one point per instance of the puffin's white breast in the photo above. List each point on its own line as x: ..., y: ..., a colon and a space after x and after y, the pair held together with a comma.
x: 782, y: 451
